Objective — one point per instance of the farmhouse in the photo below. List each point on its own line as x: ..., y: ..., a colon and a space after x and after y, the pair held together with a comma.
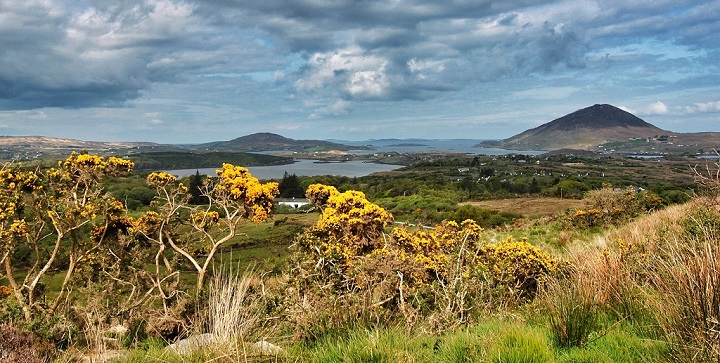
x: 292, y: 202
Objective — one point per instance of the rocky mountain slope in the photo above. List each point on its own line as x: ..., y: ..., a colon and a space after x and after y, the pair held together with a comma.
x: 608, y: 129
x: 583, y: 129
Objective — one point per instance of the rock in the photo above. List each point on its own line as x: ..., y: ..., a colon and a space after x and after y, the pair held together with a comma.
x: 190, y: 344
x: 267, y: 348
x: 117, y: 330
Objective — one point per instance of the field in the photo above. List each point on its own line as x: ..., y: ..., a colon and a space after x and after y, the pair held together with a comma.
x: 529, y: 206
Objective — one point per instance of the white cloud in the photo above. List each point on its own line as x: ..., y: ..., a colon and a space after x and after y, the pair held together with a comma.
x: 349, y: 71
x: 707, y: 107
x: 657, y: 108
x: 660, y: 108
x: 339, y: 108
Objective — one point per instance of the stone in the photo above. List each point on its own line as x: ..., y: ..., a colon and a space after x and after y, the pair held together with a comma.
x: 117, y: 330
x: 192, y: 343
x: 267, y: 348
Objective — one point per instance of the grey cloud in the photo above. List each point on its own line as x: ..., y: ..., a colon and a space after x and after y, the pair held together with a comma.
x: 58, y: 53
x: 110, y: 53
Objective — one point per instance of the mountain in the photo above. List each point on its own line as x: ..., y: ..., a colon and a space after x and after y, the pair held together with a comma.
x: 584, y: 129
x: 266, y: 141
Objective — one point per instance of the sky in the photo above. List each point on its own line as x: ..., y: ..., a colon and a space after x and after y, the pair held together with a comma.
x: 197, y: 71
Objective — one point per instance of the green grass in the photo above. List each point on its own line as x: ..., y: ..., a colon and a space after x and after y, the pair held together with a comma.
x: 492, y: 341
x: 619, y: 345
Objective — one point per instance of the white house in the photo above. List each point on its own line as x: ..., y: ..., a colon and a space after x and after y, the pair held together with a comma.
x: 292, y: 202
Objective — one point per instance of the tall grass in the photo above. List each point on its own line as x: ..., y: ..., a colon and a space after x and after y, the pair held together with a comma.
x: 230, y: 314
x: 235, y: 316
x: 572, y: 309
x: 687, y: 279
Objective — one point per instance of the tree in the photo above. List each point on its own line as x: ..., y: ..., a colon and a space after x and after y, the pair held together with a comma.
x: 195, y: 233
x: 195, y: 188
x: 290, y: 187
x: 49, y: 212
x: 569, y: 188
x: 534, y: 187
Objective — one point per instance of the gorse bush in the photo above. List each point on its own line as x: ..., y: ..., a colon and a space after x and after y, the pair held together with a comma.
x: 610, y: 205
x: 518, y: 264
x: 59, y: 221
x: 435, y: 277
x: 50, y: 212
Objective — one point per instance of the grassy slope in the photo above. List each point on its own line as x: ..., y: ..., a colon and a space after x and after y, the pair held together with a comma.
x: 520, y: 335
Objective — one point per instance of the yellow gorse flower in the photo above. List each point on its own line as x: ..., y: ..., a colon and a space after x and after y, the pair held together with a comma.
x: 160, y: 179
x: 237, y: 184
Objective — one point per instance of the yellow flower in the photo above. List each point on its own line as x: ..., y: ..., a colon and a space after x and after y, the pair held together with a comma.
x: 161, y: 179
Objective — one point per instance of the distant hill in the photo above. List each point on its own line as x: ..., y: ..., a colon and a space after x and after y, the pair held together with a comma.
x: 168, y: 160
x: 55, y: 143
x: 584, y: 129
x: 266, y: 141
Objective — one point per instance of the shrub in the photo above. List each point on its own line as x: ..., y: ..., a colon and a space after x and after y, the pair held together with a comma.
x: 518, y: 264
x: 18, y: 346
x: 483, y: 217
x: 347, y: 263
x: 610, y: 205
x: 436, y: 278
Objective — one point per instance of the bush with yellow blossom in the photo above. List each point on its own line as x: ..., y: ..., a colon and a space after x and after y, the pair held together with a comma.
x: 194, y: 233
x: 353, y: 263
x: 518, y: 264
x: 50, y: 212
x: 609, y: 205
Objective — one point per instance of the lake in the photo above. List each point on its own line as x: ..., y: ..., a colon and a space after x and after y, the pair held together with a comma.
x: 357, y: 168
x: 465, y: 146
x: 303, y: 167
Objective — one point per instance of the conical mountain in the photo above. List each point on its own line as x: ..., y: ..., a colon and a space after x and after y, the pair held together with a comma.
x: 583, y: 129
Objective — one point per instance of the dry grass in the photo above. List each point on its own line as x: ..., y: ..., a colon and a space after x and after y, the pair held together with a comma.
x: 688, y: 303
x: 236, y: 316
x: 649, y: 229
x: 674, y: 255
x: 530, y: 206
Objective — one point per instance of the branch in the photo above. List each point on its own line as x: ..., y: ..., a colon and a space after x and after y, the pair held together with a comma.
x: 182, y: 252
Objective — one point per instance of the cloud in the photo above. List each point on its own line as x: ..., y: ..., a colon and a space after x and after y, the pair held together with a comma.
x: 702, y: 107
x: 349, y: 72
x: 90, y: 58
x: 279, y: 60
x: 708, y: 107
x: 339, y: 108
x: 546, y: 93
x: 660, y: 108
x: 110, y: 53
x: 656, y: 108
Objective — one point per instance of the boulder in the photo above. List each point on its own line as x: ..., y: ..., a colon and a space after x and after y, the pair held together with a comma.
x: 192, y: 343
x: 267, y: 348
